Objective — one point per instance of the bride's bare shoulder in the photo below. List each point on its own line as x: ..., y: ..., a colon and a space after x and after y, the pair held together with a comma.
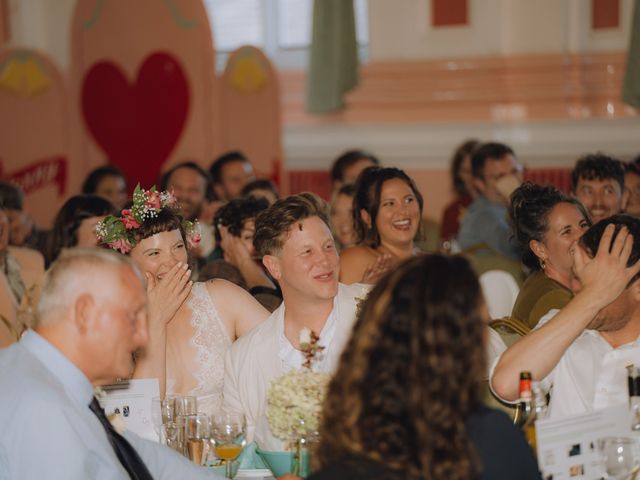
x: 220, y: 286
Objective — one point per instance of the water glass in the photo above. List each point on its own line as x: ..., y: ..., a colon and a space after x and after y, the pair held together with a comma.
x: 162, y: 412
x: 186, y: 405
x: 620, y: 457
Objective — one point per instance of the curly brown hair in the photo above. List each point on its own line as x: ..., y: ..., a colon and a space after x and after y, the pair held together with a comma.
x: 411, y: 373
x: 273, y: 223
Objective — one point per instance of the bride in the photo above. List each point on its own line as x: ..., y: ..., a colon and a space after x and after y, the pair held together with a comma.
x: 190, y: 325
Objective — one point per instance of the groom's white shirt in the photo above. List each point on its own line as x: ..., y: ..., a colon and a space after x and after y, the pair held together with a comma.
x: 256, y: 359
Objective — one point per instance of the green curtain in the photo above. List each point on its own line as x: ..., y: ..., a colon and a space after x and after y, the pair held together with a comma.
x: 631, y: 87
x: 333, y: 64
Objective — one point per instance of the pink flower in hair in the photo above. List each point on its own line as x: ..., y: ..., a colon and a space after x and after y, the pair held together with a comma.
x: 129, y: 220
x: 122, y: 245
x: 194, y: 239
x: 153, y: 200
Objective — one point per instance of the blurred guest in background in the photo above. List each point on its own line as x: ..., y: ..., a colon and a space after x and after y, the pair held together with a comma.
x: 548, y: 224
x: 496, y: 173
x: 24, y: 233
x: 464, y: 189
x: 109, y: 183
x: 632, y: 186
x: 230, y: 172
x: 75, y: 223
x: 382, y: 420
x: 597, y: 180
x: 261, y: 188
x: 235, y: 229
x: 387, y: 214
x: 341, y: 216
x: 347, y: 167
x: 189, y: 182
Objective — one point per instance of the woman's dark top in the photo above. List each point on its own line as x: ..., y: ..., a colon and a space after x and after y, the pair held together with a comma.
x: 501, y: 447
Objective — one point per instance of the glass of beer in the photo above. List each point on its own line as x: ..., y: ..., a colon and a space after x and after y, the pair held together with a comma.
x: 196, y: 437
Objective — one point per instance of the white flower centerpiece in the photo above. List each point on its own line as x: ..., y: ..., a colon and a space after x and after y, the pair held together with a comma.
x: 294, y: 401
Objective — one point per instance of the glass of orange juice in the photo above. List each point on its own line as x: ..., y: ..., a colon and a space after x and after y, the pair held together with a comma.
x: 228, y: 433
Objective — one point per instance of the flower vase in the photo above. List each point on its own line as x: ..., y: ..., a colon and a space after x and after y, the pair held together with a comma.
x: 300, y: 456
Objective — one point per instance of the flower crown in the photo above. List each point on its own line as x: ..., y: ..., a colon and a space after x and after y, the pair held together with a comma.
x: 119, y: 233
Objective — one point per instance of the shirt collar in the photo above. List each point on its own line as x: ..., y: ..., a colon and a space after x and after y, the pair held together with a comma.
x: 71, y: 377
x: 294, y: 358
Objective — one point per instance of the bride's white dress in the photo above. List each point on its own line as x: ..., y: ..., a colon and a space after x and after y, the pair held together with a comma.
x: 197, y: 367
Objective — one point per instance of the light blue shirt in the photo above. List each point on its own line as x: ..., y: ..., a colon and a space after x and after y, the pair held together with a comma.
x: 487, y: 222
x: 48, y: 432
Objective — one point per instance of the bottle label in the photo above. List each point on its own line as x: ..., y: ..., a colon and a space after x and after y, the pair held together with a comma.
x: 525, y: 389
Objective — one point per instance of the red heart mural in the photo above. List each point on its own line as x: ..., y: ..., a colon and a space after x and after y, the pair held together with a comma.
x: 139, y: 124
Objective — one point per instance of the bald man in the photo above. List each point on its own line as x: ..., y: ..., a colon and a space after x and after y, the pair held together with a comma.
x: 90, y: 320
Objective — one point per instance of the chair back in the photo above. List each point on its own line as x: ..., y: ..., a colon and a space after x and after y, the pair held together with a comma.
x: 500, y: 291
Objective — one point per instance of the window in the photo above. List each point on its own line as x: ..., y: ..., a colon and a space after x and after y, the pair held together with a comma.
x: 281, y: 28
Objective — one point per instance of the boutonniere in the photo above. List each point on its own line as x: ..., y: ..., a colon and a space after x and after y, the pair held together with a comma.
x: 360, y: 304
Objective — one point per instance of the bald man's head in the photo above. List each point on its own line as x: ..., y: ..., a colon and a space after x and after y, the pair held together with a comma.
x: 78, y: 271
x: 93, y: 309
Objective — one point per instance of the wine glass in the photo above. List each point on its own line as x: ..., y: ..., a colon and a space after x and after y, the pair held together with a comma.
x: 228, y: 431
x: 620, y: 457
x: 196, y: 437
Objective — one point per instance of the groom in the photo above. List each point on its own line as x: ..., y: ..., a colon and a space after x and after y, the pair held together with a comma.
x: 295, y: 241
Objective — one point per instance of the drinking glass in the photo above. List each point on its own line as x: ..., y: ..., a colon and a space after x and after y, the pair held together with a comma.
x: 186, y: 405
x: 170, y: 436
x: 620, y: 457
x: 196, y: 437
x: 228, y: 431
x: 162, y: 411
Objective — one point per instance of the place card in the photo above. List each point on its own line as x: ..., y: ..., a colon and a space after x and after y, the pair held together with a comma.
x: 132, y: 401
x: 567, y: 447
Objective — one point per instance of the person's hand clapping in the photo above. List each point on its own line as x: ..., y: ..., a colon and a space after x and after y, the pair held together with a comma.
x: 166, y: 296
x: 377, y: 268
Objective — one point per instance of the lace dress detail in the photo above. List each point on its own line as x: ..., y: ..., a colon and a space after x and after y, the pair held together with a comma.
x: 209, y: 344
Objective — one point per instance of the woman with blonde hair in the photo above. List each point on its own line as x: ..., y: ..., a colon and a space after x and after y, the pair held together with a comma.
x: 406, y: 400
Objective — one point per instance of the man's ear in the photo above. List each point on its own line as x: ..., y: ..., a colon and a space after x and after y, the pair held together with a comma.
x: 218, y: 189
x: 366, y: 218
x: 625, y: 199
x: 83, y: 312
x: 272, y: 264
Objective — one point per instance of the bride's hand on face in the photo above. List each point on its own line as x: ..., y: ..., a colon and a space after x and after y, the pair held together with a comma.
x: 168, y: 294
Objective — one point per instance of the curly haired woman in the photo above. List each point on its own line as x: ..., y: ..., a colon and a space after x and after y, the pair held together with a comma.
x: 406, y: 400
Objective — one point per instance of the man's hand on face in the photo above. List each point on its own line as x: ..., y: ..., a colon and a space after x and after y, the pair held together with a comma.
x: 606, y: 275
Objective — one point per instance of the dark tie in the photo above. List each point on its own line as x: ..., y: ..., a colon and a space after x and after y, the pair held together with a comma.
x: 128, y: 457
